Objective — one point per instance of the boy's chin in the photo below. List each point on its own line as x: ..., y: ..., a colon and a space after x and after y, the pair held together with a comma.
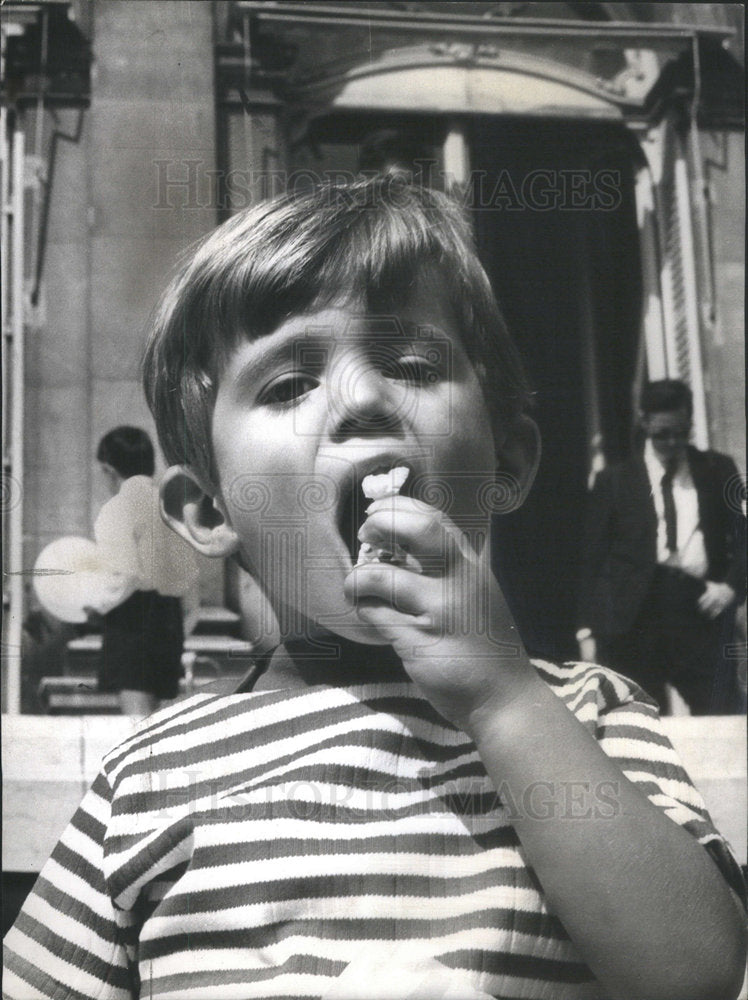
x: 346, y: 623
x: 332, y: 615
x: 358, y: 632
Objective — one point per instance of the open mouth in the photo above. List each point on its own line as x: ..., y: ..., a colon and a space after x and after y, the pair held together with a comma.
x: 351, y: 516
x: 354, y: 504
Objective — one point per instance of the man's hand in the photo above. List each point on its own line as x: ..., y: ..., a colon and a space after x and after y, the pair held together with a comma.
x: 449, y: 624
x: 716, y: 598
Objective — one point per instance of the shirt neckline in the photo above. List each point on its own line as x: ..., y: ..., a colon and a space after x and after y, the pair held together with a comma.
x: 321, y: 658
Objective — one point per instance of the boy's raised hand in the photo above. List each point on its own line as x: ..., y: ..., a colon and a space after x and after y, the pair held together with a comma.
x: 449, y: 624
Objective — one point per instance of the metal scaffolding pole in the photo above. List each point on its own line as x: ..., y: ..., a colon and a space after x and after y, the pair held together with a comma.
x: 13, y: 459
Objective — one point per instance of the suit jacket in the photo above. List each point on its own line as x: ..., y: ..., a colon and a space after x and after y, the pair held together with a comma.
x: 620, y: 539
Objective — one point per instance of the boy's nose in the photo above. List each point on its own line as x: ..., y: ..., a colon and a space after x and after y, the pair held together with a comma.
x: 363, y: 402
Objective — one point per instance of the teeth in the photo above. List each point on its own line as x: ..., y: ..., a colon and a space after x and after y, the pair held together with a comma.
x: 396, y: 556
x: 367, y: 553
x: 386, y: 484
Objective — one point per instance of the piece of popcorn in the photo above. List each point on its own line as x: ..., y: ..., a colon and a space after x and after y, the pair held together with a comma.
x: 377, y: 487
x: 385, y: 484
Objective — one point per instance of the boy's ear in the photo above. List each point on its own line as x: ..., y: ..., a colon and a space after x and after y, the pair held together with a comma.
x: 195, y: 514
x: 517, y: 460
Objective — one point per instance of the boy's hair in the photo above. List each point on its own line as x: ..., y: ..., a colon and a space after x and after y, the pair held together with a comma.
x: 366, y: 241
x: 128, y: 450
x: 665, y: 396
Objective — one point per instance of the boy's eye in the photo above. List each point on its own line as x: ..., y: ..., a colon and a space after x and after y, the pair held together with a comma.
x: 286, y: 389
x: 415, y: 370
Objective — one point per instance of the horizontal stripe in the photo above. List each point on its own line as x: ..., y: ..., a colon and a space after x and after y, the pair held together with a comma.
x: 478, y: 814
x: 65, y: 962
x: 426, y: 848
x: 325, y: 889
x: 631, y: 730
x: 441, y: 868
x: 246, y: 913
x: 191, y: 982
x: 284, y: 986
x: 76, y: 887
x: 332, y: 935
x: 677, y: 790
x: 76, y: 910
x: 260, y: 836
x: 160, y: 853
x: 26, y: 979
x: 535, y: 967
x: 72, y: 935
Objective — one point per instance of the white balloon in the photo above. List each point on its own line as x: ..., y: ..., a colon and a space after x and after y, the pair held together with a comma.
x: 70, y: 577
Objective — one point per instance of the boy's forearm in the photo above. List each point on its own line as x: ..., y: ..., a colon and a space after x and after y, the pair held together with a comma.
x: 642, y: 900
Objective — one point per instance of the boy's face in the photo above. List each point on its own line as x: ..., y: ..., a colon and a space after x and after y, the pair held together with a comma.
x: 304, y: 413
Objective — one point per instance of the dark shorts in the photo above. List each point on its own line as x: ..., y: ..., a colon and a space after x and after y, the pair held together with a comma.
x: 142, y: 645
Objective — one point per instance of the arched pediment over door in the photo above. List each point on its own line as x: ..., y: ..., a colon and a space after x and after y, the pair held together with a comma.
x: 459, y: 78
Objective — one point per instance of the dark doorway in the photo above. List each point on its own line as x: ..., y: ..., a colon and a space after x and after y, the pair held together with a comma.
x: 340, y: 145
x: 555, y: 218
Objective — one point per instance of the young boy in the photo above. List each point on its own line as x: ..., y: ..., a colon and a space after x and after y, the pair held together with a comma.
x: 403, y: 805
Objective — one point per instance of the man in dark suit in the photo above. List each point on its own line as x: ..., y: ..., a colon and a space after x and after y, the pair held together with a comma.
x: 664, y: 562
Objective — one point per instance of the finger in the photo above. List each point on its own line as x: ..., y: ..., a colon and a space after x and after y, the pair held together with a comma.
x: 400, y: 502
x: 428, y: 535
x: 405, y: 514
x: 399, y: 517
x: 393, y: 586
x: 393, y: 625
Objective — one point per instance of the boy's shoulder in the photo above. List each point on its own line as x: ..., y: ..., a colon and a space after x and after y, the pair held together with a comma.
x: 205, y: 730
x: 184, y: 731
x: 591, y: 691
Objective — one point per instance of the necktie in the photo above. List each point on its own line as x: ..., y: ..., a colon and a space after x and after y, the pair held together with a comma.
x: 671, y: 518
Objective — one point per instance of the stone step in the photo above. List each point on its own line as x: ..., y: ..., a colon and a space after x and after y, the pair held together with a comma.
x: 88, y: 646
x: 77, y: 694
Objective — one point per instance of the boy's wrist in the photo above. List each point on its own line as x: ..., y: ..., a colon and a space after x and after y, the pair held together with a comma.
x: 515, y: 697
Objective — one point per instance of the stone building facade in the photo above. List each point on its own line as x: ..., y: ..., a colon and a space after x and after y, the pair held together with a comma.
x: 599, y: 147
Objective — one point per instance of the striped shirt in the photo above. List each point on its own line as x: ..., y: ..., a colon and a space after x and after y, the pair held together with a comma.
x: 261, y: 844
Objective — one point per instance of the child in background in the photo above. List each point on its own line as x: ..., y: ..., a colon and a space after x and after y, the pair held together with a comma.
x: 401, y: 804
x: 141, y: 657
